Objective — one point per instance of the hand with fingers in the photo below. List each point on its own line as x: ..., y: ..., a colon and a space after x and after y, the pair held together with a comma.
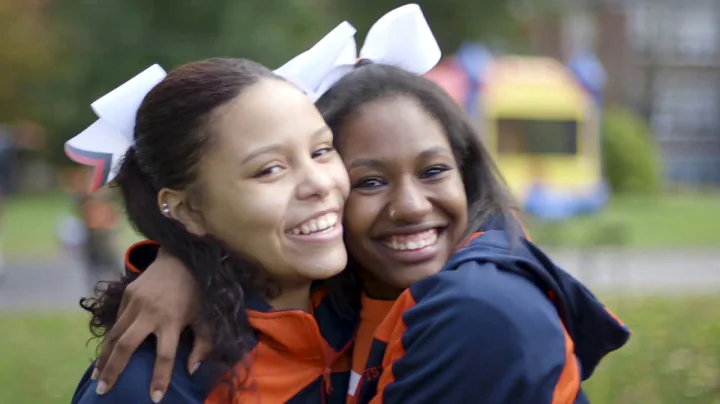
x: 163, y: 301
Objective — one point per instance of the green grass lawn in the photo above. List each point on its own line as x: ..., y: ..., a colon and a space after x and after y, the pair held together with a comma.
x: 42, y: 357
x: 673, y: 356
x: 684, y: 220
x: 29, y: 226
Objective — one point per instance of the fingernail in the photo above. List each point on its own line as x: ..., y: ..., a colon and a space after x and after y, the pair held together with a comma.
x: 194, y: 368
x: 157, y: 395
x: 101, y: 388
x: 94, y: 374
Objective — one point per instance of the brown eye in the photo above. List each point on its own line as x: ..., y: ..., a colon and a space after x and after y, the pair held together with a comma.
x: 369, y: 183
x: 274, y: 169
x: 322, y: 152
x: 434, y: 171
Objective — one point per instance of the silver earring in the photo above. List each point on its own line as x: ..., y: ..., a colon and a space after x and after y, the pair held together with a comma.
x: 165, y: 209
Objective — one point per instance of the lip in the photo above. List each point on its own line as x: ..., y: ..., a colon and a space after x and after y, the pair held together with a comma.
x: 330, y: 234
x: 315, y: 216
x: 412, y: 257
x: 406, y: 230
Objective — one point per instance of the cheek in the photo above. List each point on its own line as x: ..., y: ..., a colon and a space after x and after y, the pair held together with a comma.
x: 231, y: 211
x: 360, y: 214
x: 340, y: 177
x: 456, y: 202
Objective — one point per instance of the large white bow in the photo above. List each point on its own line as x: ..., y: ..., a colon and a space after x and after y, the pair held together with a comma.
x: 104, y: 143
x: 400, y: 38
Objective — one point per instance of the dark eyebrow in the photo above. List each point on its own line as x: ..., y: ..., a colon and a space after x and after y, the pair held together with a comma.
x: 374, y: 163
x: 275, y: 147
x: 434, y: 151
x: 366, y: 163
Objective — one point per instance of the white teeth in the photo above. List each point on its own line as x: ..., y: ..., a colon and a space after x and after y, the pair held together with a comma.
x: 316, y: 225
x: 420, y: 240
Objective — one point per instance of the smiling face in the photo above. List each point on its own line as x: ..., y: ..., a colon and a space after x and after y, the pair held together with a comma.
x: 407, y: 209
x: 273, y: 188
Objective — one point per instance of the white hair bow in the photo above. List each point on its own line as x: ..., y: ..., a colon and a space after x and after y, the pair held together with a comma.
x: 400, y: 38
x: 104, y: 143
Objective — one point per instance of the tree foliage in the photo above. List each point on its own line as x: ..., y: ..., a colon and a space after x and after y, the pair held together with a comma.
x: 62, y: 55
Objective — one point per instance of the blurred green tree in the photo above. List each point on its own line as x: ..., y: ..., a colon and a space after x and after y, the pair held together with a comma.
x: 26, y: 54
x: 106, y: 42
x: 100, y: 44
x: 631, y: 159
x: 452, y: 21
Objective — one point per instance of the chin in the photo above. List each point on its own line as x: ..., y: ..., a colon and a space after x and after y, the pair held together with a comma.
x: 327, y: 266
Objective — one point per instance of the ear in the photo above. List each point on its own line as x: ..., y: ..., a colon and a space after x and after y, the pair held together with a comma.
x: 180, y: 209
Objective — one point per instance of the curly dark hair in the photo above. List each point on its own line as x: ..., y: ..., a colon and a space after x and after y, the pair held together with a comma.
x: 486, y: 193
x: 173, y: 131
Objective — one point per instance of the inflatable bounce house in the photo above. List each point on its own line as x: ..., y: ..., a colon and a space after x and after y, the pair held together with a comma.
x: 540, y: 120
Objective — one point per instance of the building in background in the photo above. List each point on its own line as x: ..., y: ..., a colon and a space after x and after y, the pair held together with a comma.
x: 663, y: 59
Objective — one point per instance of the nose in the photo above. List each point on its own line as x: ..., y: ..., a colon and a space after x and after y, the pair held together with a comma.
x: 409, y: 204
x: 315, y: 181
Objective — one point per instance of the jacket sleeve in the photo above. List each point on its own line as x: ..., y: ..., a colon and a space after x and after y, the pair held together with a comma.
x: 478, y: 335
x: 140, y: 255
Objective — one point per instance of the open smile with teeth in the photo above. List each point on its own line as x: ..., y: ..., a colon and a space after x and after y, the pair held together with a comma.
x: 316, y: 225
x: 411, y: 242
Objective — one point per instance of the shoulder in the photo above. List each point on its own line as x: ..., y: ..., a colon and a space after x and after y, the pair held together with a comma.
x: 482, y: 299
x: 133, y: 385
x: 474, y: 284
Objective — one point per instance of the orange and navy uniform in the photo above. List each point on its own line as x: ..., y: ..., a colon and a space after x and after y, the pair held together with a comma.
x: 499, y: 324
x: 298, y: 357
x: 372, y: 314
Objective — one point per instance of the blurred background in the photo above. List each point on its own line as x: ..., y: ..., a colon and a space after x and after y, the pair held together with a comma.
x: 604, y: 117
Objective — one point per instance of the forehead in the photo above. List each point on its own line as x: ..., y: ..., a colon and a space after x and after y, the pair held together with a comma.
x: 391, y: 129
x: 269, y: 112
